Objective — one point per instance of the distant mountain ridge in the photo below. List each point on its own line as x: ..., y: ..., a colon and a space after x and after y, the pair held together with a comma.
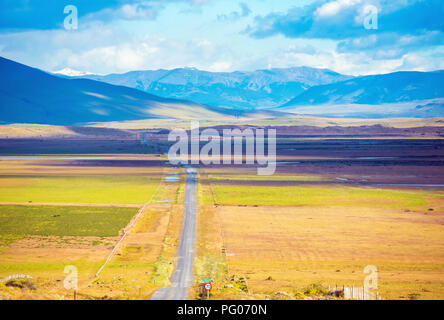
x: 71, y: 72
x: 300, y: 90
x: 29, y: 95
x: 236, y: 90
x: 398, y: 94
x: 403, y: 86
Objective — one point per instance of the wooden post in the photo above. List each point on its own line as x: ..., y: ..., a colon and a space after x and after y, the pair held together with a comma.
x: 363, y: 292
x: 203, y: 291
x: 246, y: 284
x: 75, y: 291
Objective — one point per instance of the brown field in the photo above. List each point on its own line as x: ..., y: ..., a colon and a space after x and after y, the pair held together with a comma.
x: 282, y: 250
x: 383, y: 212
x: 300, y: 246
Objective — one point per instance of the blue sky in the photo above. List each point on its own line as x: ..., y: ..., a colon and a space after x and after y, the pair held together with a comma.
x: 115, y: 36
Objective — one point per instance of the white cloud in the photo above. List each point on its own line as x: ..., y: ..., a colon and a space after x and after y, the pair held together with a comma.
x: 104, y: 48
x: 107, y: 48
x: 138, y: 11
x: 346, y: 63
x: 220, y: 66
x: 412, y: 61
x: 334, y: 7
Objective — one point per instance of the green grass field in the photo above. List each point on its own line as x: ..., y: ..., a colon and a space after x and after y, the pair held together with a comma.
x: 21, y: 221
x: 101, y: 189
x: 320, y: 196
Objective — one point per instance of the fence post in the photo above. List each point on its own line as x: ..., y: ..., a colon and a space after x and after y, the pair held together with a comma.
x: 203, y: 291
x: 246, y: 284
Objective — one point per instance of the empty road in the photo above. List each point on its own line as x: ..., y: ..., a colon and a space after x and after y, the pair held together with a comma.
x: 183, y: 276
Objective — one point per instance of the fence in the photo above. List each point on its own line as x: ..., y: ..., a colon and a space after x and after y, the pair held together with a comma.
x: 356, y: 293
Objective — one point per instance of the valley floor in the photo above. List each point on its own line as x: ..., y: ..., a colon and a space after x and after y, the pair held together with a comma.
x: 333, y: 207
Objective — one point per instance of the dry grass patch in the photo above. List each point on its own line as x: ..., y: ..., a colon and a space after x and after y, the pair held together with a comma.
x: 293, y: 247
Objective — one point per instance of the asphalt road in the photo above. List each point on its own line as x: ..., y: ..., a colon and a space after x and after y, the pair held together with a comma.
x: 183, y: 277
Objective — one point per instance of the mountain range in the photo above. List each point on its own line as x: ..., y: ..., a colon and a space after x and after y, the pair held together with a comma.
x: 300, y: 90
x: 376, y: 89
x: 29, y: 95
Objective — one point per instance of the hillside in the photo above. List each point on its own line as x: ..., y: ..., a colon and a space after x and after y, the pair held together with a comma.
x: 29, y: 95
x: 399, y: 94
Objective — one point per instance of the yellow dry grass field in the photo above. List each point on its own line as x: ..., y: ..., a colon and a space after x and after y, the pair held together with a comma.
x: 295, y: 247
x: 267, y: 120
x: 26, y: 131
x: 278, y: 251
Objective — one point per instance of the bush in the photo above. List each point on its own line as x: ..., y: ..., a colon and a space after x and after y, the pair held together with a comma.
x: 315, y: 289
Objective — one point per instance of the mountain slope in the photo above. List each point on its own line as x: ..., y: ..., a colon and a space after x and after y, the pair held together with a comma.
x: 406, y: 94
x: 29, y: 95
x: 236, y: 90
x: 386, y: 88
